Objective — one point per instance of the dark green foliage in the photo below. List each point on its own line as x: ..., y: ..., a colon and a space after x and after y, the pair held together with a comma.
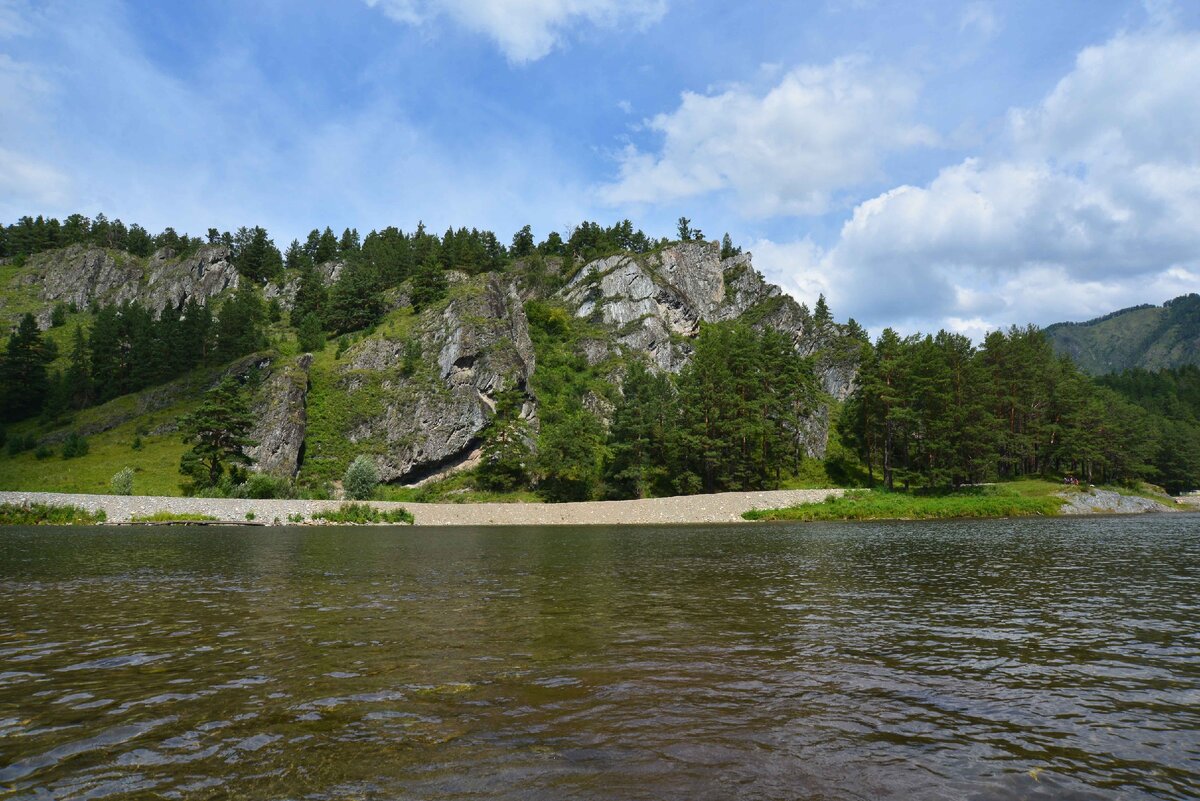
x: 74, y: 446
x: 522, y: 243
x: 262, y: 486
x: 17, y: 443
x: 937, y: 412
x: 570, y: 457
x: 218, y: 432
x: 311, y: 295
x: 255, y: 254
x: 363, y: 513
x: 641, y: 435
x: 58, y: 316
x: 570, y: 445
x: 23, y: 378
x: 355, y: 301
x: 309, y: 335
x: 412, y: 357
x: 728, y: 251
x: 239, y: 328
x: 740, y: 403
x: 428, y: 285
x: 506, y: 460
x: 1172, y: 398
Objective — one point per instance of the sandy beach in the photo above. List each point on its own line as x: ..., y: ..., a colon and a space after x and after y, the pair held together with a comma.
x: 725, y: 507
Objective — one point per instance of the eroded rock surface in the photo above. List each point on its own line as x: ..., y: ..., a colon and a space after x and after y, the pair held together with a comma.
x: 280, y: 412
x: 654, y: 304
x: 431, y: 419
x: 90, y: 276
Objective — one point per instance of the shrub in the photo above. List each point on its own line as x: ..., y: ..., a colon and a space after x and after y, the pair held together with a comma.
x: 137, y: 442
x: 261, y: 486
x: 19, y: 444
x: 74, y: 446
x: 122, y: 482
x: 43, y: 451
x: 361, y: 478
x: 362, y: 513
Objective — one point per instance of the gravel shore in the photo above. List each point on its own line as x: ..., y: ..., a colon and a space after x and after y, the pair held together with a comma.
x: 725, y: 507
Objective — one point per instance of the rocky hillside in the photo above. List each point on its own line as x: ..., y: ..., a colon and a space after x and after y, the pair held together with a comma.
x: 86, y: 276
x: 417, y: 390
x: 1149, y: 337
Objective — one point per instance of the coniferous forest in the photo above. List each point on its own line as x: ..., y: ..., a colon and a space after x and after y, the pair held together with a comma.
x: 927, y: 411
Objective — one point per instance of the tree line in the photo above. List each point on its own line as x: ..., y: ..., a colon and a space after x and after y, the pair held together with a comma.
x: 124, y: 348
x: 728, y: 421
x: 936, y: 411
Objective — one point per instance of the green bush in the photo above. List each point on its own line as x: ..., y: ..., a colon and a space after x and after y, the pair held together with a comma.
x: 18, y: 443
x: 363, y: 513
x: 261, y: 486
x: 74, y: 446
x: 43, y: 451
x: 361, y: 479
x: 122, y: 482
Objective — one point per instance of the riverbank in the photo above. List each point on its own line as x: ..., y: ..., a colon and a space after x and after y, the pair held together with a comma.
x: 1028, y: 498
x: 725, y: 507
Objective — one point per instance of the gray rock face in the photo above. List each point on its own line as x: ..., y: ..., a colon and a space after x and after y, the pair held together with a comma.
x: 90, y: 276
x: 431, y: 420
x: 281, y: 414
x: 654, y: 304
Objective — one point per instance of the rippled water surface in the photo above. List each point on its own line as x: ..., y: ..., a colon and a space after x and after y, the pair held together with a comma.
x: 1041, y: 659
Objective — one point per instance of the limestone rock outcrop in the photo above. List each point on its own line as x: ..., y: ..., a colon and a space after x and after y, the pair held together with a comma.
x: 430, y: 413
x: 280, y: 414
x: 89, y: 276
x: 654, y: 304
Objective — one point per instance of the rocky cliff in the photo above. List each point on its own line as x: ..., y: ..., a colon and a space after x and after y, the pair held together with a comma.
x: 418, y: 391
x: 89, y: 276
x: 417, y: 394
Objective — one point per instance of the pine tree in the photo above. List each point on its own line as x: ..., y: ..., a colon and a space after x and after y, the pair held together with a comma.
x: 218, y: 432
x: 506, y: 457
x: 239, y: 327
x: 428, y: 285
x: 23, y: 371
x: 637, y: 465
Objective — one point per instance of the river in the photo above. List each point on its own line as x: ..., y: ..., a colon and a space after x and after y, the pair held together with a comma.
x: 1032, y: 659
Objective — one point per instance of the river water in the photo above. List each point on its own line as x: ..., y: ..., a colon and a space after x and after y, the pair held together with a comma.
x: 1035, y: 659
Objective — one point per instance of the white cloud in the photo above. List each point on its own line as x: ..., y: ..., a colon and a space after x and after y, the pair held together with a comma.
x: 979, y: 17
x: 1090, y: 206
x: 525, y: 30
x: 819, y: 131
x: 25, y: 177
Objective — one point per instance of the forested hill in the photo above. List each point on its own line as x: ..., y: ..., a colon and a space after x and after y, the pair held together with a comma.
x: 427, y: 354
x: 601, y: 364
x: 1142, y: 337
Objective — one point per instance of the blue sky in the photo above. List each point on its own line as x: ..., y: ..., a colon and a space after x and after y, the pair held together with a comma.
x: 932, y: 164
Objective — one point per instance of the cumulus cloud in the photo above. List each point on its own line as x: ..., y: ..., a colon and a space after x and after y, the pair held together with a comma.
x: 525, y: 30
x: 819, y: 131
x: 1091, y: 205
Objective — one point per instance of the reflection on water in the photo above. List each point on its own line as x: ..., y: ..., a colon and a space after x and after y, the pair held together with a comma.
x: 1040, y: 659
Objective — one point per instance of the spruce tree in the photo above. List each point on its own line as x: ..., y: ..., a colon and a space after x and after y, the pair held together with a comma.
x: 23, y: 370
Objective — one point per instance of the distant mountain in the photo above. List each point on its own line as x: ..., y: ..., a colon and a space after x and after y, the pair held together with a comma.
x: 1149, y: 337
